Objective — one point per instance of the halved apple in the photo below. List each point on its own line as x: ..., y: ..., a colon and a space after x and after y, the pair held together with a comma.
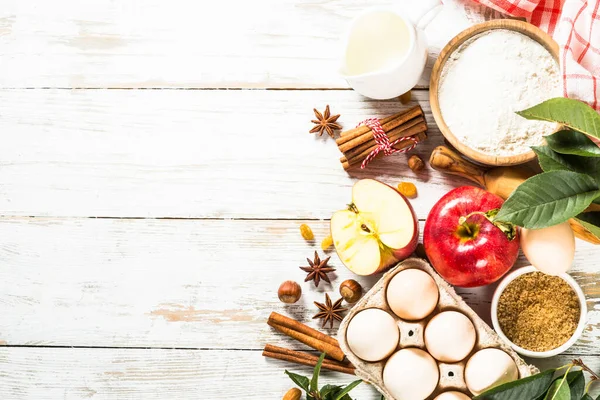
x: 377, y: 230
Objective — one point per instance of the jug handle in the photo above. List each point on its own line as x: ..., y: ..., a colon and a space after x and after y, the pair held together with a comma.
x: 420, y: 13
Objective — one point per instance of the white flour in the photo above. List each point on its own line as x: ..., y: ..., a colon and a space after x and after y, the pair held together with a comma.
x: 486, y: 80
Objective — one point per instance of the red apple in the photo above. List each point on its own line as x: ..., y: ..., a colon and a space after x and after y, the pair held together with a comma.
x: 462, y: 244
x: 377, y: 230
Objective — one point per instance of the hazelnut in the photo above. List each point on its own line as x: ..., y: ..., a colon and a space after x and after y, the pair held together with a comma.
x: 351, y: 291
x: 292, y: 394
x: 415, y: 163
x: 289, y: 292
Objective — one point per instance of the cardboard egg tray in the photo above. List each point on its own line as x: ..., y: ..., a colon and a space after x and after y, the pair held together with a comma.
x: 412, y: 333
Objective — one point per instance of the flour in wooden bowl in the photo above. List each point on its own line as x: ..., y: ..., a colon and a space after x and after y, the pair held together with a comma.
x: 486, y: 80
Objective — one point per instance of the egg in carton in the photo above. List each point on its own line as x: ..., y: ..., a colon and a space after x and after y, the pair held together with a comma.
x: 412, y: 336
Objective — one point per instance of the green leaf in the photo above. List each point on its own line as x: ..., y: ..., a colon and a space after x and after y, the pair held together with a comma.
x: 559, y: 390
x: 572, y: 113
x: 531, y: 387
x: 347, y: 389
x: 572, y: 142
x: 588, y: 397
x: 549, y: 199
x: 314, y: 382
x: 327, y: 390
x: 576, y: 381
x: 301, y: 381
x: 590, y: 221
x: 552, y: 161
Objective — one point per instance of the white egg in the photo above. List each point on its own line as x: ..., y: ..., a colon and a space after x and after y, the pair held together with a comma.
x: 551, y: 250
x: 450, y: 336
x: 489, y: 368
x: 372, y: 334
x: 452, y: 396
x: 412, y: 294
x: 411, y: 374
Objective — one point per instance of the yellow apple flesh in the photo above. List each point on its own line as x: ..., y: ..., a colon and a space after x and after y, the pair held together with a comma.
x: 377, y: 230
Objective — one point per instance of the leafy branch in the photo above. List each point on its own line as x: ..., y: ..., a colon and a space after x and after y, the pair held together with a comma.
x: 546, y: 386
x: 327, y: 392
x: 570, y: 183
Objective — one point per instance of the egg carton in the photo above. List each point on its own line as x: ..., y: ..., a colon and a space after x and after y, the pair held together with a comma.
x: 412, y: 333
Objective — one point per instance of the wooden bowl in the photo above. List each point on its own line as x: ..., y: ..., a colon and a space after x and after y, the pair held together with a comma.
x: 509, y: 24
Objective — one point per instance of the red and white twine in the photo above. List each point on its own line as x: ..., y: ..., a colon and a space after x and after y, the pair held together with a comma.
x: 383, y: 142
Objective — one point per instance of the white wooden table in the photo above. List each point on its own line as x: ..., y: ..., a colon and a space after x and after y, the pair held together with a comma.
x: 144, y: 233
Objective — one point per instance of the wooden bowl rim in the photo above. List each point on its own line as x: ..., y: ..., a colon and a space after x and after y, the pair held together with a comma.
x: 522, y: 27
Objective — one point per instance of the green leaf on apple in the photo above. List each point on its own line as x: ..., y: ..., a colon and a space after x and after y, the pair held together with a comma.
x: 549, y: 199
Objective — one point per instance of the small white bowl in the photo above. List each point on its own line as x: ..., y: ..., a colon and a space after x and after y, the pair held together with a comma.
x: 539, y: 354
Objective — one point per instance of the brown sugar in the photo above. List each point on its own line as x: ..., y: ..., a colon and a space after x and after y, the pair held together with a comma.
x: 538, y: 312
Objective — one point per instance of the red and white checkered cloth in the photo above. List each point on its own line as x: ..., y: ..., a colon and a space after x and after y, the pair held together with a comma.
x: 575, y: 25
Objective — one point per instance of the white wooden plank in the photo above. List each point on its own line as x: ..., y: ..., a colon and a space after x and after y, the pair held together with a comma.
x: 180, y: 43
x: 177, y: 283
x: 227, y: 43
x: 175, y: 153
x: 48, y: 374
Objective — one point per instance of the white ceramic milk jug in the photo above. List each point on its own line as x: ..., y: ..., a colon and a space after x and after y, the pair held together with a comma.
x: 384, y: 54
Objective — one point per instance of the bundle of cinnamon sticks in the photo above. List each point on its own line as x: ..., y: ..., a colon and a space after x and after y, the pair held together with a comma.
x: 310, y: 337
x: 356, y: 144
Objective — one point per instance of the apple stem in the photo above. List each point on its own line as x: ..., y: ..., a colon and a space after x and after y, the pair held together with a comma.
x: 506, y: 227
x: 464, y: 219
x: 463, y: 222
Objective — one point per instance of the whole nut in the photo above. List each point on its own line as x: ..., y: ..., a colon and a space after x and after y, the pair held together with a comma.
x: 351, y: 291
x: 289, y: 292
x: 292, y: 394
x: 415, y: 163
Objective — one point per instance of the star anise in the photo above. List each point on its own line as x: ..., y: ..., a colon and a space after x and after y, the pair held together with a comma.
x: 325, y: 122
x: 330, y: 311
x: 318, y: 270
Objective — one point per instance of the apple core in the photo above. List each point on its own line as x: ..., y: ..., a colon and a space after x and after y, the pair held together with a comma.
x: 378, y: 229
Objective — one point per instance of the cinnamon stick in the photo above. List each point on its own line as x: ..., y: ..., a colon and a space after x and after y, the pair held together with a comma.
x: 347, y: 164
x: 359, y: 130
x: 331, y: 350
x: 412, y: 132
x: 362, y: 134
x: 276, y: 349
x: 310, y: 362
x: 398, y: 132
x: 291, y: 323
